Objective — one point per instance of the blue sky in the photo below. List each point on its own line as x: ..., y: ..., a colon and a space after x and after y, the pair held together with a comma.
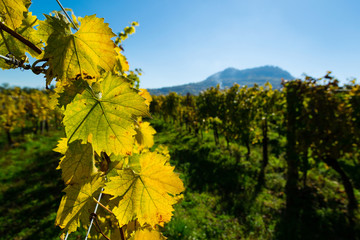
x: 185, y: 41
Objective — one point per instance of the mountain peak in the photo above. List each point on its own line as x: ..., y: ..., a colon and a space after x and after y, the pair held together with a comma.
x: 229, y: 76
x: 230, y: 69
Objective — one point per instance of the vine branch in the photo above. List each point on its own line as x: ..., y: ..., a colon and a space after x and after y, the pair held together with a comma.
x: 105, y: 208
x: 20, y: 38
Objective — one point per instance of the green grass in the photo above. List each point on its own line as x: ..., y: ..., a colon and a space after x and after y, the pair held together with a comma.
x: 30, y: 189
x: 220, y: 201
x: 221, y: 183
x: 199, y: 217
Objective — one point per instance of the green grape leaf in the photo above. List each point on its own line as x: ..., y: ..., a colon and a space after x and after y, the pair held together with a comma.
x: 78, y: 203
x: 11, y: 12
x: 87, y: 51
x: 53, y: 27
x: 64, y: 93
x: 78, y: 163
x: 147, y: 195
x: 105, y: 119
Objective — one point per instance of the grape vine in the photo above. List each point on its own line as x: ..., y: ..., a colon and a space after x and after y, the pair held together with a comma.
x: 318, y: 118
x: 112, y: 177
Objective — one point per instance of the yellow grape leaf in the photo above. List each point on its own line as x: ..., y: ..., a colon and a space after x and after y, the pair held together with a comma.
x: 84, y: 52
x: 162, y: 149
x: 144, y: 134
x: 11, y: 12
x: 130, y: 228
x: 105, y: 119
x: 122, y: 64
x: 78, y: 203
x: 78, y: 163
x: 62, y: 146
x: 147, y: 195
x: 147, y: 234
x: 28, y: 31
x: 118, y: 162
x: 16, y: 47
x: 108, y: 225
x: 145, y: 94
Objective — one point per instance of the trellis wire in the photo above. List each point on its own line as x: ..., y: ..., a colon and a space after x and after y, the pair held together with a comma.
x: 6, y: 58
x: 92, y: 219
x: 67, y: 14
x: 15, y: 62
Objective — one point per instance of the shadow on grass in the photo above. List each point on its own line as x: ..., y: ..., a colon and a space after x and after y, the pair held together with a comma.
x: 320, y: 218
x: 30, y: 197
x: 207, y: 168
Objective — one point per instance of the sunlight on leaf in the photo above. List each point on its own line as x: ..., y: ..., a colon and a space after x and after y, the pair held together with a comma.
x: 11, y: 12
x: 78, y: 203
x: 85, y: 52
x: 78, y: 163
x: 105, y: 119
x: 147, y: 195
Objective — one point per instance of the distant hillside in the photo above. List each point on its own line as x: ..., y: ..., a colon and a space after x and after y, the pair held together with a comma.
x: 228, y: 77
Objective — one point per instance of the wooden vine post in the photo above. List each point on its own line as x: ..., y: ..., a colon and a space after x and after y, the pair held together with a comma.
x: 107, y: 163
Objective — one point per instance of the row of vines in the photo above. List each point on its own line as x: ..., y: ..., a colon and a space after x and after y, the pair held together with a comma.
x: 23, y: 111
x: 318, y: 119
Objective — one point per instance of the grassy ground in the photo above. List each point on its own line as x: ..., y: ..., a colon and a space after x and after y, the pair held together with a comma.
x: 30, y: 189
x: 220, y: 202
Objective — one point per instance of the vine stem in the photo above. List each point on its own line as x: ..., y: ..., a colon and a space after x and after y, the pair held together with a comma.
x: 105, y: 208
x: 20, y: 38
x: 67, y: 15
